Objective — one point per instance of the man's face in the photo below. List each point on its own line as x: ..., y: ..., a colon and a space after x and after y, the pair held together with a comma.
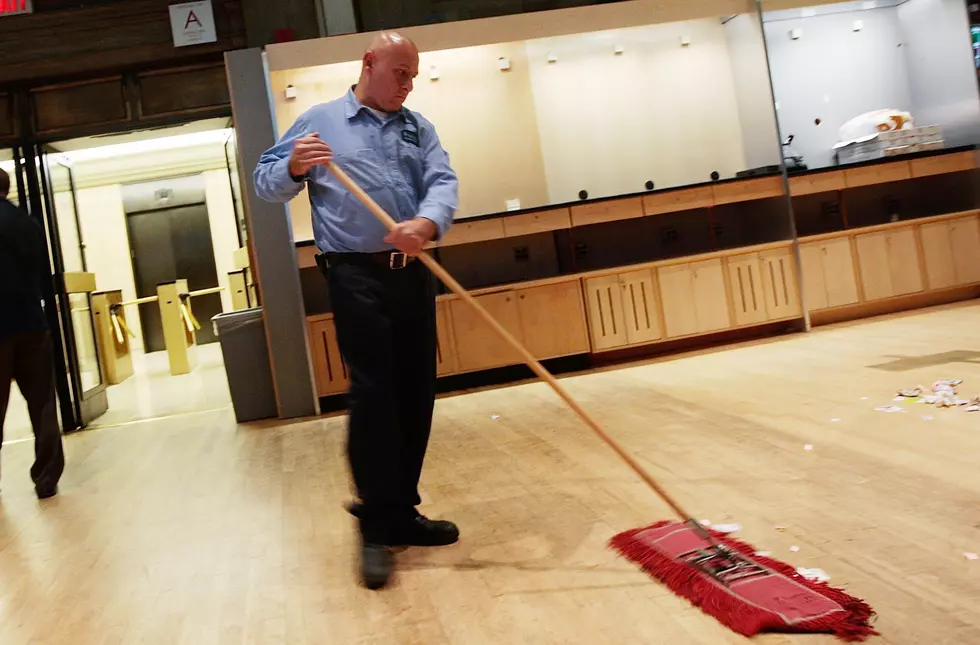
x: 392, y: 75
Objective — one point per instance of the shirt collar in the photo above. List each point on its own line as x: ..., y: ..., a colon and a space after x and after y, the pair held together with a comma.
x: 354, y: 106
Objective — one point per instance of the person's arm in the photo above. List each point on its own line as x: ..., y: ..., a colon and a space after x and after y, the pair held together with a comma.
x: 440, y: 184
x: 273, y: 181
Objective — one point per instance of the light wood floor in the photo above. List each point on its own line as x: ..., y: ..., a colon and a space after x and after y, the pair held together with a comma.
x: 191, y: 531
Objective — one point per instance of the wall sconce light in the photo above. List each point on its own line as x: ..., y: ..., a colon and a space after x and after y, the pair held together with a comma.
x: 685, y: 41
x: 433, y: 73
x: 552, y: 58
x: 858, y: 25
x: 618, y: 50
x: 503, y: 63
x: 291, y: 93
x: 796, y: 34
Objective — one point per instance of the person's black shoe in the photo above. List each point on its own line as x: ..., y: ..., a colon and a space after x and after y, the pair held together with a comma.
x: 377, y: 563
x: 46, y: 493
x: 421, y: 531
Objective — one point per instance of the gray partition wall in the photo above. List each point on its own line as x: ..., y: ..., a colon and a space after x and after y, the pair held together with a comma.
x: 270, y: 240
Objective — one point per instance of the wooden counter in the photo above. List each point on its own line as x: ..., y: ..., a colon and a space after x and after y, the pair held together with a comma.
x: 844, y: 274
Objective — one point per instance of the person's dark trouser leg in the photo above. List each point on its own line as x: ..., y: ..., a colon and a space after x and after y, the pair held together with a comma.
x: 374, y: 440
x: 415, y: 365
x: 7, y: 347
x: 34, y: 373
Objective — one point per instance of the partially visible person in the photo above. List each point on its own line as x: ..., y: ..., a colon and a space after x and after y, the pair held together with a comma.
x: 26, y: 354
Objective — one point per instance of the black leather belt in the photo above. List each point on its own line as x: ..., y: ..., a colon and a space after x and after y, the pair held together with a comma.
x: 390, y: 259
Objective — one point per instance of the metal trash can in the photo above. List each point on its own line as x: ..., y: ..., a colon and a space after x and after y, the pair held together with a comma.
x: 246, y: 355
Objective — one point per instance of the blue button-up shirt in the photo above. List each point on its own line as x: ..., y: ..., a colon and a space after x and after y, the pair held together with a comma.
x: 398, y: 160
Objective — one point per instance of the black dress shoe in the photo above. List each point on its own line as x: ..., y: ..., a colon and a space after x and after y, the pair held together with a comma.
x: 377, y: 563
x: 46, y: 493
x: 421, y: 531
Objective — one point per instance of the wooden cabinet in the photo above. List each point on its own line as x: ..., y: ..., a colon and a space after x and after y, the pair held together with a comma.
x: 877, y: 174
x: 965, y: 236
x: 779, y: 284
x: 889, y: 263
x: 748, y: 297
x: 828, y: 274
x: 478, y: 346
x: 328, y: 366
x: 623, y: 310
x: 822, y: 182
x: 445, y: 343
x: 951, y: 252
x: 553, y: 320
x: 942, y: 164
x: 641, y: 315
x: 694, y: 298
x: 604, y: 301
x: 548, y: 319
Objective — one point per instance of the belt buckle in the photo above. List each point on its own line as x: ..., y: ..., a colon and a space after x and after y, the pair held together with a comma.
x: 400, y: 263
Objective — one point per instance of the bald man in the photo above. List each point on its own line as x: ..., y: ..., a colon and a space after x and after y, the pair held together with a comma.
x: 383, y: 298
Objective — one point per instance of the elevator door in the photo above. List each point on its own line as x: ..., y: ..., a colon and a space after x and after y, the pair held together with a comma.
x: 171, y: 243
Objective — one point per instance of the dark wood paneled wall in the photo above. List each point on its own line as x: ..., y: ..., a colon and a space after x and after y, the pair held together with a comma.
x: 111, y: 66
x: 94, y: 39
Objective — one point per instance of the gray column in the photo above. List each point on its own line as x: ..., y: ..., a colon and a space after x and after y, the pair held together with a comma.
x: 339, y: 16
x: 270, y: 239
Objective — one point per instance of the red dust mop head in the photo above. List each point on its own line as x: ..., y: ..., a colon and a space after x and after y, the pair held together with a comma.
x: 747, y: 593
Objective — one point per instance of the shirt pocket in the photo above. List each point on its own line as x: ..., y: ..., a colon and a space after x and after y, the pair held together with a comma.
x: 363, y: 166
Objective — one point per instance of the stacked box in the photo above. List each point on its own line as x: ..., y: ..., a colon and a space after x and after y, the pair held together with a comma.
x: 891, y: 144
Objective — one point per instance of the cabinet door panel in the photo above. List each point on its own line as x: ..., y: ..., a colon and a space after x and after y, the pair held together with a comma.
x: 965, y: 239
x: 677, y: 295
x: 478, y: 346
x: 605, y: 306
x: 875, y: 267
x: 747, y: 294
x: 445, y: 345
x: 711, y: 300
x: 903, y: 262
x: 779, y: 285
x: 938, y: 256
x: 814, y: 285
x: 838, y: 273
x: 642, y: 316
x: 328, y: 366
x: 553, y: 320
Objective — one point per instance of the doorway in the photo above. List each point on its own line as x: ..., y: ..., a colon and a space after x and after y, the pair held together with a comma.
x: 170, y: 238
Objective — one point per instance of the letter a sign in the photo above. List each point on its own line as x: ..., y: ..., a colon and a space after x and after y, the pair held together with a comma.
x: 192, y: 23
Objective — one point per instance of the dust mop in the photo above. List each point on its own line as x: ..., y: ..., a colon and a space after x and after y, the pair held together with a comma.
x: 748, y: 593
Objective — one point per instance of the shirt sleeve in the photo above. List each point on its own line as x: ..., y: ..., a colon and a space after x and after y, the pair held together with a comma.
x: 439, y: 182
x: 273, y: 183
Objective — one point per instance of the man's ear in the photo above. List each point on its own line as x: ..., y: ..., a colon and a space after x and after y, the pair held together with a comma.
x: 369, y: 59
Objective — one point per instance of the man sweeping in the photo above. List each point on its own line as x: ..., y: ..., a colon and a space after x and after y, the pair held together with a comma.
x: 383, y: 298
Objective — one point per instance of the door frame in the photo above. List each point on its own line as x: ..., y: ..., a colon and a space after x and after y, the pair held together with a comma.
x: 32, y: 186
x: 86, y: 405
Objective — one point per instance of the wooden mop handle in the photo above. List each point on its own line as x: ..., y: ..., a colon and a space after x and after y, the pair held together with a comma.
x: 529, y: 358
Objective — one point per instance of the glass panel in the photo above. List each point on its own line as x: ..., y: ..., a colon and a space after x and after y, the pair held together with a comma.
x: 858, y: 81
x: 231, y: 155
x: 64, y: 209
x: 88, y: 362
x: 581, y: 116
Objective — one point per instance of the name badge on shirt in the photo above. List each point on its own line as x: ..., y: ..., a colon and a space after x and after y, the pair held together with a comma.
x: 410, y: 136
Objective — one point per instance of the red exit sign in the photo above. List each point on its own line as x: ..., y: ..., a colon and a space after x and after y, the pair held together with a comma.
x: 12, y: 7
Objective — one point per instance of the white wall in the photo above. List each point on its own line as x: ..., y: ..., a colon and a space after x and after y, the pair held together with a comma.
x: 753, y: 92
x: 224, y: 228
x: 942, y: 73
x: 659, y: 111
x: 103, y: 225
x: 835, y: 74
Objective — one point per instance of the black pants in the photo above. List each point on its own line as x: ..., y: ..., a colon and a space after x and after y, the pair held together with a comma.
x: 386, y: 328
x: 27, y: 359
